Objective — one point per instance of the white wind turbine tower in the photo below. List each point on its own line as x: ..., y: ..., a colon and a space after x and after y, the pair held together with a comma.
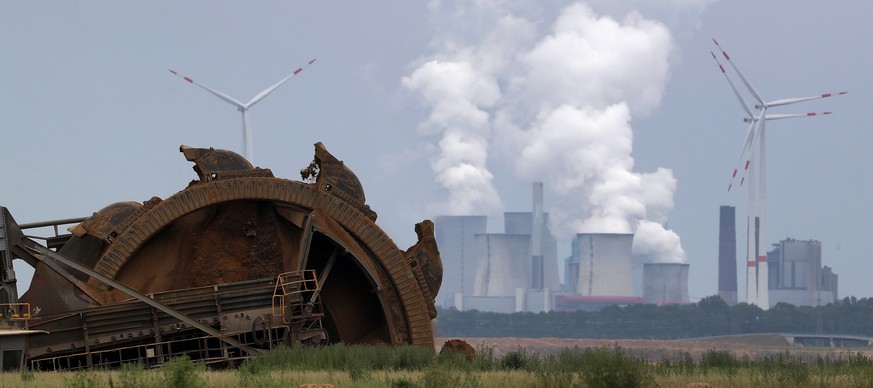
x: 244, y: 108
x: 757, y: 275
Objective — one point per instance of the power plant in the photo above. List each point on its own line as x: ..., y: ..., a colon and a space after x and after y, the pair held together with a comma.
x: 505, y: 272
x: 517, y: 270
x: 797, y: 276
x: 794, y: 270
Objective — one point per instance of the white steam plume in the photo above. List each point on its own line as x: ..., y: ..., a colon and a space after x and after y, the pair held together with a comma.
x: 565, y: 99
x: 589, y: 75
x: 457, y: 93
x: 460, y: 86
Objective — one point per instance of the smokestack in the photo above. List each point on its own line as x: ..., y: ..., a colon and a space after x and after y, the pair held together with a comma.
x: 522, y: 223
x: 727, y: 255
x: 605, y: 264
x: 536, y: 237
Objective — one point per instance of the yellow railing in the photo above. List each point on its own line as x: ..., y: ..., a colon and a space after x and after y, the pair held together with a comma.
x: 293, y: 288
x: 15, y: 311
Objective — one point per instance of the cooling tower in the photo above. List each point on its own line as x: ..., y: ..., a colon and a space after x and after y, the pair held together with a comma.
x: 605, y: 264
x: 665, y: 283
x: 456, y: 239
x: 727, y: 255
x: 521, y: 223
x: 503, y: 264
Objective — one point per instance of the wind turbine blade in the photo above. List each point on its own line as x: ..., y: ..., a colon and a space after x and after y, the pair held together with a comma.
x: 795, y: 100
x: 745, y: 105
x: 266, y: 92
x: 747, y: 145
x: 218, y: 94
x: 793, y: 115
x: 757, y: 128
x: 742, y: 77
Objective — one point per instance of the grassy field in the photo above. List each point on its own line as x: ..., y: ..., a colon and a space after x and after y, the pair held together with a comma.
x: 362, y: 366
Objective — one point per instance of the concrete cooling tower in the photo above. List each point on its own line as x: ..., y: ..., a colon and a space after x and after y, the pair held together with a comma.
x: 521, y: 223
x: 503, y: 264
x: 456, y: 239
x: 665, y: 283
x: 605, y: 264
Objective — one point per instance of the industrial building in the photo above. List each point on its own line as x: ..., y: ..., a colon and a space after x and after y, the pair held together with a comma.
x: 517, y: 270
x: 793, y: 268
x: 503, y: 272
x: 797, y: 275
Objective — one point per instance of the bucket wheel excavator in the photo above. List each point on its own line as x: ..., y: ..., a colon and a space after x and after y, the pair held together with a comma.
x: 237, y: 262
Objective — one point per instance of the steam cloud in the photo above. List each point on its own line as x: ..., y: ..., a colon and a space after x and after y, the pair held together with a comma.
x: 558, y: 104
x: 457, y: 94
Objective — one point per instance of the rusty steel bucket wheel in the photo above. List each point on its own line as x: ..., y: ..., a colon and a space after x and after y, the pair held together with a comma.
x: 237, y: 223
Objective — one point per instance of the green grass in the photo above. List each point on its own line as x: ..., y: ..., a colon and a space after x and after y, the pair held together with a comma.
x: 378, y: 366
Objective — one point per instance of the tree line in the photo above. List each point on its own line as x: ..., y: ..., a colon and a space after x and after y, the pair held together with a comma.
x: 711, y: 316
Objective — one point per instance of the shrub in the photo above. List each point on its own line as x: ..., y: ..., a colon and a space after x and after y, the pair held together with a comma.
x: 400, y: 382
x: 134, y: 376
x: 604, y: 367
x: 719, y: 360
x: 784, y: 368
x: 357, y: 374
x: 83, y: 379
x: 485, y: 359
x: 519, y: 359
x: 26, y: 375
x: 181, y: 372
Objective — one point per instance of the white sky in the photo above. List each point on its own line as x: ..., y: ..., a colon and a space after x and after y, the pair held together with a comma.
x: 89, y: 114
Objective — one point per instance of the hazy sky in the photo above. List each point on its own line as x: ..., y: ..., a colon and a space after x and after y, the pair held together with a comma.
x: 454, y: 107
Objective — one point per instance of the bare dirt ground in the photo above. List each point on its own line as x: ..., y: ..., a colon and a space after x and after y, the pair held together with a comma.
x: 746, y: 345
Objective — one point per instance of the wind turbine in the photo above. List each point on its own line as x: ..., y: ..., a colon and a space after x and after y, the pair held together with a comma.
x: 244, y: 108
x: 757, y: 273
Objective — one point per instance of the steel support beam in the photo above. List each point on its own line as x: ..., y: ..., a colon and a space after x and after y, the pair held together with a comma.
x: 47, y: 253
